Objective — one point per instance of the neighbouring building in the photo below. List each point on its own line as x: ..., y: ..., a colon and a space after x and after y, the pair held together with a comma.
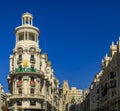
x: 71, y: 97
x: 84, y: 104
x: 2, y: 97
x: 32, y: 84
x: 105, y: 88
x: 110, y: 80
x: 95, y: 93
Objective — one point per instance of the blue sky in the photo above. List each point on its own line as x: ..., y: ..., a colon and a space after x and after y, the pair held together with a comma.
x: 76, y: 34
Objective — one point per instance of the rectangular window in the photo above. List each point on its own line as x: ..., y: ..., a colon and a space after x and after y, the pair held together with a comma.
x: 19, y: 103
x: 20, y: 91
x: 32, y: 78
x: 32, y: 91
x: 32, y: 103
x: 20, y: 56
x: 20, y: 79
x: 32, y: 56
x: 21, y: 36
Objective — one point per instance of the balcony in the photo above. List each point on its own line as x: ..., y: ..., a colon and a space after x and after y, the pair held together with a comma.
x: 19, y: 84
x: 32, y: 60
x: 32, y: 83
x: 35, y: 96
x: 19, y: 60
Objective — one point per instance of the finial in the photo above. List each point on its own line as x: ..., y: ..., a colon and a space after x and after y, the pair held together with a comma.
x: 119, y: 38
x: 102, y: 60
x: 112, y: 43
x: 106, y: 55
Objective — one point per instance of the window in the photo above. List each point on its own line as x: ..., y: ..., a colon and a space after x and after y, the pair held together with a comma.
x: 32, y: 103
x: 112, y: 83
x: 19, y: 103
x: 20, y: 79
x: 32, y: 91
x: 32, y: 78
x: 20, y: 56
x: 21, y: 36
x: 20, y: 91
x: 20, y: 67
x: 31, y: 36
x: 112, y: 75
x: 32, y: 68
x: 32, y: 56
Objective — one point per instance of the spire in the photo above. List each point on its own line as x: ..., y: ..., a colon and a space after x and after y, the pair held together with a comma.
x: 119, y: 38
x: 106, y: 55
x: 112, y: 43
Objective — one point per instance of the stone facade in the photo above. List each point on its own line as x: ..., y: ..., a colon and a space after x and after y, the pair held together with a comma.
x: 105, y: 88
x: 34, y: 87
x: 2, y: 97
x: 71, y: 97
x: 32, y: 84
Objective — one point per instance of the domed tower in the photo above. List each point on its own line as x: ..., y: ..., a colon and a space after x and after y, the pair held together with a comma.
x: 29, y: 83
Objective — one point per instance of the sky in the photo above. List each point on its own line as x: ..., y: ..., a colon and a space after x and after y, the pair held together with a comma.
x: 76, y: 35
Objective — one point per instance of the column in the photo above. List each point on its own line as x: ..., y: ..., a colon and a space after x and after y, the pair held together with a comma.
x: 17, y: 37
x: 27, y: 35
x: 28, y: 20
x: 22, y: 20
x: 31, y: 21
x: 35, y: 36
x: 24, y: 36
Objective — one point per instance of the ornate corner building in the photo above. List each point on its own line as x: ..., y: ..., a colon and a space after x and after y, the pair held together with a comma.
x: 32, y: 84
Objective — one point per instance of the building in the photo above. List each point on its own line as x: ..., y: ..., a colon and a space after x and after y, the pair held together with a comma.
x: 95, y: 93
x: 110, y: 80
x: 71, y: 97
x: 105, y: 88
x: 2, y: 97
x: 32, y: 84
